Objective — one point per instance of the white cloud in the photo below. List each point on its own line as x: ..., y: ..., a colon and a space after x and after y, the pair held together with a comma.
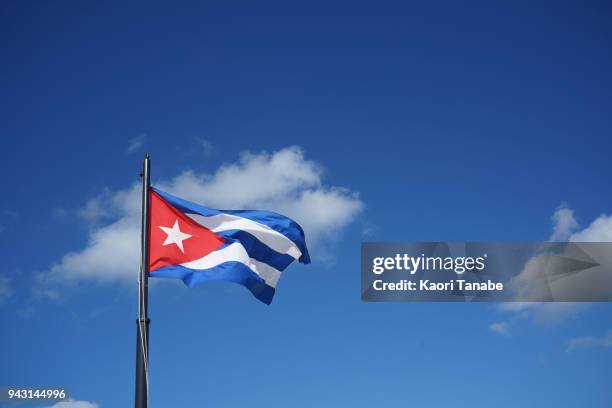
x: 97, y: 208
x: 564, y: 224
x: 590, y: 342
x: 592, y: 282
x: 284, y: 181
x: 137, y: 143
x: 74, y: 404
x: 500, y: 328
x: 565, y: 228
x: 6, y: 289
x: 600, y: 230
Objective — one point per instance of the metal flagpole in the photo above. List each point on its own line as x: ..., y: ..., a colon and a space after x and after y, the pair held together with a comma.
x: 142, y: 324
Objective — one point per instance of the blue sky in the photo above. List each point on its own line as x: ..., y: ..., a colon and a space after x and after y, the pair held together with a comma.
x: 441, y: 122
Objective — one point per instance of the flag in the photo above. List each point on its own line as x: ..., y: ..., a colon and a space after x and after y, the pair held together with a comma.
x: 199, y: 244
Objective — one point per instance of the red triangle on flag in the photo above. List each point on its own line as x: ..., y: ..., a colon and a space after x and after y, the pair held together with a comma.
x: 175, y: 238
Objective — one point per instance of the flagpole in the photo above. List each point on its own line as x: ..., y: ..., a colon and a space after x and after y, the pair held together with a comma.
x: 142, y: 324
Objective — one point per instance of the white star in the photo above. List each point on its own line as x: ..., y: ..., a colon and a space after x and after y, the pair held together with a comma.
x: 175, y: 236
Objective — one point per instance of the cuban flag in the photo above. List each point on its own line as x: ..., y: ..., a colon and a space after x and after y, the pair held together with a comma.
x: 199, y: 244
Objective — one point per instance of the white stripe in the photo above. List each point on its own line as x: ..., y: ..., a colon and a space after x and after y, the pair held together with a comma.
x: 268, y: 236
x: 236, y: 252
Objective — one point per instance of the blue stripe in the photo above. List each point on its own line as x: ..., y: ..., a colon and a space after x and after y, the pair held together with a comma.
x: 256, y: 249
x: 228, y: 271
x: 277, y: 222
